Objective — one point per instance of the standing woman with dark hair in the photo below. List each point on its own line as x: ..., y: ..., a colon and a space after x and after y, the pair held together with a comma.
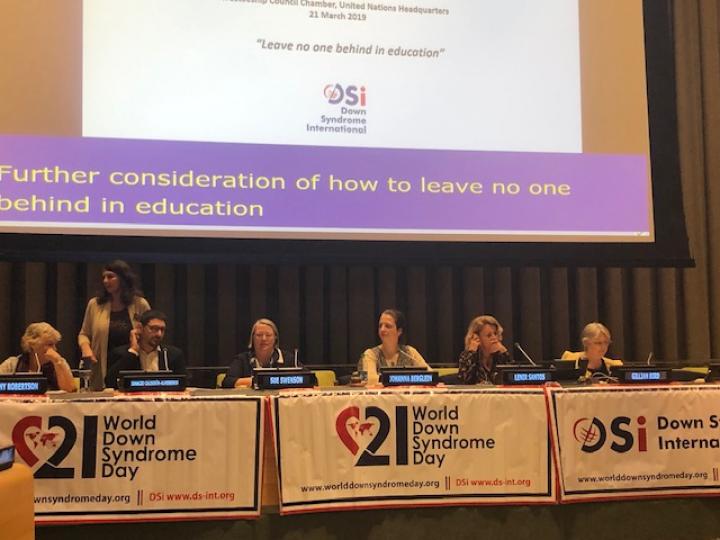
x: 392, y: 352
x: 109, y: 318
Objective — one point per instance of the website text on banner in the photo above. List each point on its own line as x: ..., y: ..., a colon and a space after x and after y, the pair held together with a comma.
x: 117, y: 460
x: 635, y: 443
x: 412, y: 448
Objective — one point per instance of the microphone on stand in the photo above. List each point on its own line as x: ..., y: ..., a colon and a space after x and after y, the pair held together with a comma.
x: 161, y: 351
x: 526, y: 355
x: 650, y: 357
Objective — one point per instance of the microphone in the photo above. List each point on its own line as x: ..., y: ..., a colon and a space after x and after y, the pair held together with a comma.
x: 650, y: 357
x: 402, y: 352
x: 163, y: 350
x: 280, y: 360
x: 526, y: 355
x: 295, y: 359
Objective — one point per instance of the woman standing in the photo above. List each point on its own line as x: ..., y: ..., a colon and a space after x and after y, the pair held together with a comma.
x: 483, y: 351
x: 392, y: 352
x: 109, y: 318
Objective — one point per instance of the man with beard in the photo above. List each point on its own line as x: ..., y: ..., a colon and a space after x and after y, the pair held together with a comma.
x: 146, y: 351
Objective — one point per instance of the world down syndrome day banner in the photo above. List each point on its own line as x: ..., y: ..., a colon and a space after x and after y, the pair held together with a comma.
x: 412, y: 448
x: 121, y: 460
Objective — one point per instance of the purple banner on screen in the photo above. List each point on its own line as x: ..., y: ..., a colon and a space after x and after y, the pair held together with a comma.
x: 244, y: 189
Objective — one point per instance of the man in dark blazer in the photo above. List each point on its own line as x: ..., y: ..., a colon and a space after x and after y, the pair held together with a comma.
x: 146, y: 351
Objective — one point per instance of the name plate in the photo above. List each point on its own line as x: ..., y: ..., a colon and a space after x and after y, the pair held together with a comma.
x: 22, y: 384
x: 641, y: 375
x: 149, y: 381
x: 409, y: 377
x: 277, y: 379
x: 525, y: 375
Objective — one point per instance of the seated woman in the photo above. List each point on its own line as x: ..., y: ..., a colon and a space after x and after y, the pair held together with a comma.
x: 596, y: 340
x: 392, y: 352
x: 40, y: 355
x: 483, y: 351
x: 263, y: 352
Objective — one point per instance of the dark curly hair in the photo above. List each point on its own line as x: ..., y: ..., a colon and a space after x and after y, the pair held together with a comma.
x: 129, y: 283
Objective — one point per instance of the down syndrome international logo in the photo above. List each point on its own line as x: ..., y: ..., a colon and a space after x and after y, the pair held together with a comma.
x: 592, y: 434
x: 351, y: 95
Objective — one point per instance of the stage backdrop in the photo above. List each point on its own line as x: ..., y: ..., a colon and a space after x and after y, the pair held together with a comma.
x: 329, y: 311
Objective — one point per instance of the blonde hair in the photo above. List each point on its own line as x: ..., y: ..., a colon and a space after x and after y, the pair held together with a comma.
x: 37, y: 333
x: 477, y: 324
x: 266, y: 322
x: 592, y: 331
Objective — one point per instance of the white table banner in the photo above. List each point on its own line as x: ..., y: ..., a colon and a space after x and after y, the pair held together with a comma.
x: 637, y: 442
x: 412, y: 448
x: 139, y: 459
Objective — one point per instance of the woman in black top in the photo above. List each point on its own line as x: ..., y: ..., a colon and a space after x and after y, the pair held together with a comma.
x: 263, y: 352
x: 483, y: 351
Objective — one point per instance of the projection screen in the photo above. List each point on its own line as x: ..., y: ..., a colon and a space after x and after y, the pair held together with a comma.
x: 441, y: 120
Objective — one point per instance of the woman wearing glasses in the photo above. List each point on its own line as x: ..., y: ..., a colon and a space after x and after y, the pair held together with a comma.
x: 263, y: 352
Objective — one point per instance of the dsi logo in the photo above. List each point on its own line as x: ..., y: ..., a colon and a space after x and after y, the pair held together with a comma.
x: 366, y: 434
x: 592, y: 434
x: 48, y: 444
x: 337, y: 94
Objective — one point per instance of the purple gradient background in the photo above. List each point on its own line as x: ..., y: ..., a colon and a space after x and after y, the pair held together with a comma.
x: 609, y: 192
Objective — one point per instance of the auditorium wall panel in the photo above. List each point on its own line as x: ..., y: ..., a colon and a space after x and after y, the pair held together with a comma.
x: 330, y: 312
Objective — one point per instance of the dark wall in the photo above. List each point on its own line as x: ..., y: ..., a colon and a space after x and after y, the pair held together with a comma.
x: 330, y: 312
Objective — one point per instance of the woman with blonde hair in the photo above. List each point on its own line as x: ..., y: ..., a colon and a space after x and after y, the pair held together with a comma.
x: 39, y: 355
x: 483, y: 351
x: 596, y: 341
x: 263, y: 352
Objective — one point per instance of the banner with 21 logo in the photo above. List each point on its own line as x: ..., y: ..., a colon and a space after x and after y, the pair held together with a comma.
x: 116, y: 459
x: 412, y: 447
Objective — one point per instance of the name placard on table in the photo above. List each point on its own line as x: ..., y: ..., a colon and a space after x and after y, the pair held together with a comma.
x: 23, y: 383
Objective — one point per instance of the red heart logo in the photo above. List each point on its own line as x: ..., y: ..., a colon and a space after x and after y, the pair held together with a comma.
x: 349, y: 428
x: 32, y: 443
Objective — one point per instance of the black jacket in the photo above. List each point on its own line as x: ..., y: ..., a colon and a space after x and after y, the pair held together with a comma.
x: 121, y: 359
x: 243, y: 364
